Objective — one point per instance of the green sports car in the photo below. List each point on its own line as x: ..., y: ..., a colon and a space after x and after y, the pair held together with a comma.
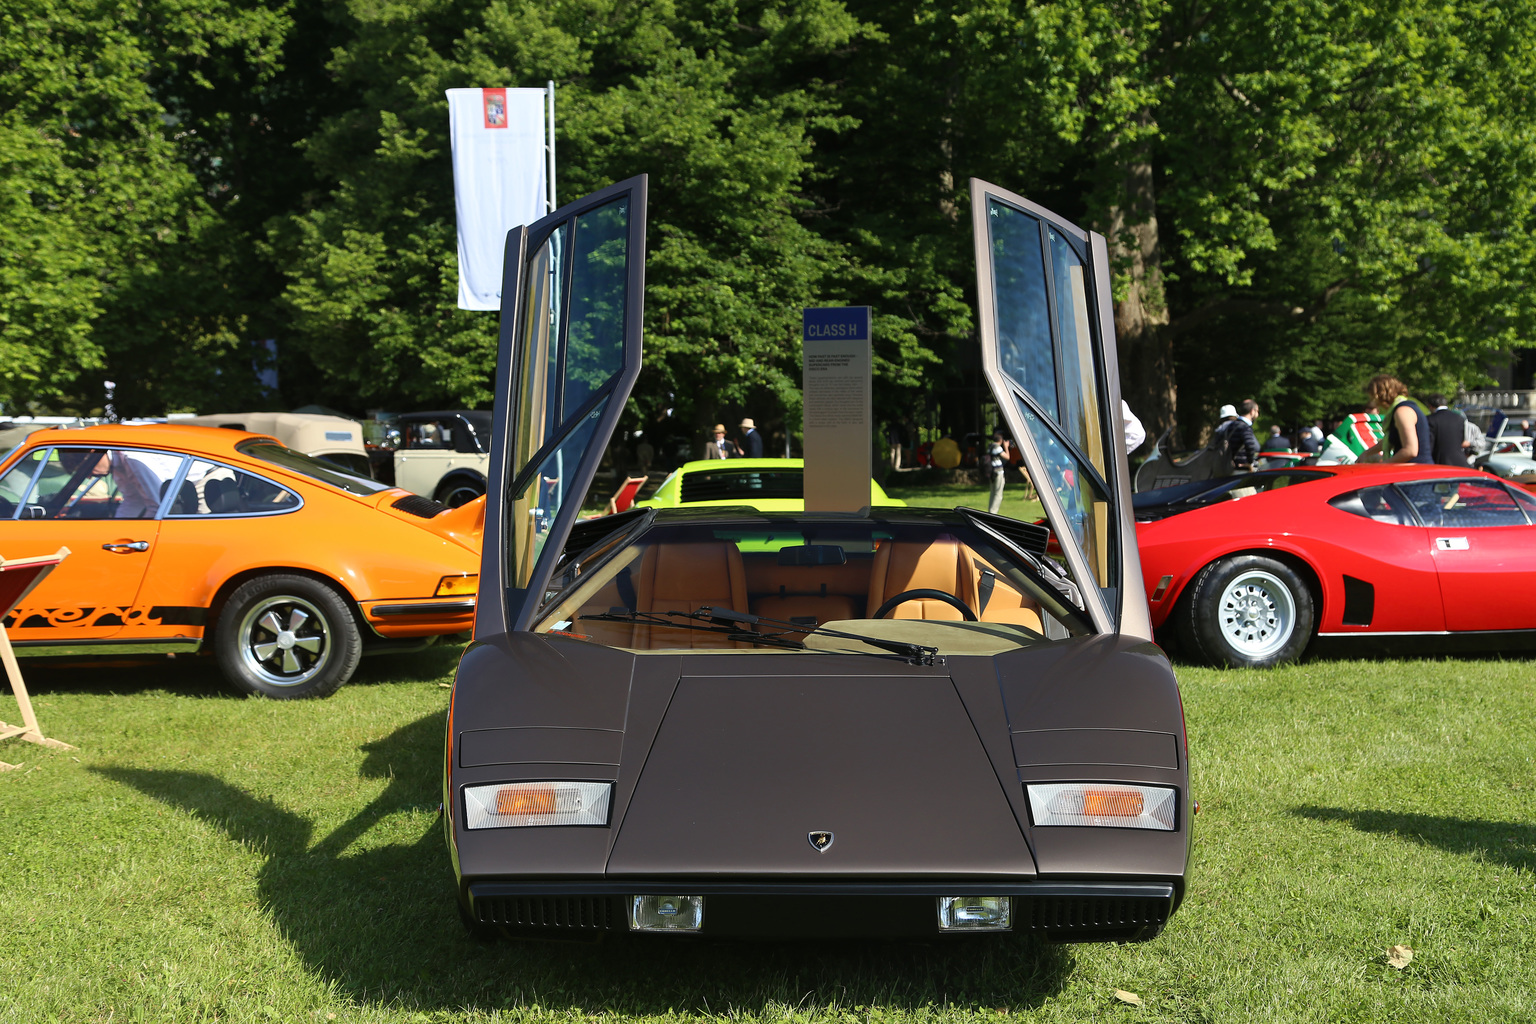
x: 768, y: 485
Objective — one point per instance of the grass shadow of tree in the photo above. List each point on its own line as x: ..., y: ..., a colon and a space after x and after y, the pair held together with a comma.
x: 1507, y: 842
x: 380, y: 923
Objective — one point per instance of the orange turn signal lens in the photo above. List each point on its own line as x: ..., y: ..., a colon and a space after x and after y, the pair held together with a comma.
x: 525, y: 800
x: 1113, y: 803
x: 456, y: 586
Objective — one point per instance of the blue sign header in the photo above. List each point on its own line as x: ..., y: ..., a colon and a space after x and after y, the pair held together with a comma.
x: 836, y: 323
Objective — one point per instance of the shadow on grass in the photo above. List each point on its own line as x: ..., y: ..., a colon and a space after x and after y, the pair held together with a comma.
x: 1506, y: 842
x: 381, y: 923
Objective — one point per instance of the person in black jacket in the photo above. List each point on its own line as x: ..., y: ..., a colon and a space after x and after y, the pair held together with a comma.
x: 1236, y: 435
x: 1447, y: 433
x: 751, y: 440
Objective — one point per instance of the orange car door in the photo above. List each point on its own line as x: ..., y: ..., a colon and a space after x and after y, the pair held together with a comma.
x: 102, y: 504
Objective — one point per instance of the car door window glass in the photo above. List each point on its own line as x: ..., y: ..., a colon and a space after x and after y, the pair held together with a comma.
x: 543, y: 495
x: 1464, y: 504
x: 211, y: 489
x: 537, y: 373
x: 1082, y: 500
x: 599, y: 282
x: 1023, y: 316
x: 1383, y: 504
x: 18, y: 481
x: 1080, y: 396
x: 100, y: 483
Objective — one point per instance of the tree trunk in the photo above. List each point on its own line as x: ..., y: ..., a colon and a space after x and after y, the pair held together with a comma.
x: 1146, y: 350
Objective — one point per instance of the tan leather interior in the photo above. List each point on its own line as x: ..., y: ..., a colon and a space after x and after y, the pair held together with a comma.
x: 942, y: 565
x: 686, y: 576
x: 682, y: 578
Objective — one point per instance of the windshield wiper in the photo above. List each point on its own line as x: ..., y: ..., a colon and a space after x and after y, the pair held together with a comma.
x: 691, y: 620
x: 728, y: 623
x: 916, y: 654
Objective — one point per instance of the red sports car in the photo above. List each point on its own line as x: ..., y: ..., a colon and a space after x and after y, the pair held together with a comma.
x: 1247, y: 570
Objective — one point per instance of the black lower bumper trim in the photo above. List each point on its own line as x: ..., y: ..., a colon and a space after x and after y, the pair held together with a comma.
x: 1063, y: 911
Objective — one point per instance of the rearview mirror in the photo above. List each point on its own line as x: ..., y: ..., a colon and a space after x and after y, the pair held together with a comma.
x: 813, y: 554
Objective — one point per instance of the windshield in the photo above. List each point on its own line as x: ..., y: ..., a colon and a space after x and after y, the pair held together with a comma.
x: 947, y: 586
x: 304, y: 465
x: 1233, y: 488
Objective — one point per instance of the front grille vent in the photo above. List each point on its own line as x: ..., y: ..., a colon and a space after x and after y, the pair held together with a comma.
x: 416, y: 505
x: 1088, y: 913
x: 574, y: 912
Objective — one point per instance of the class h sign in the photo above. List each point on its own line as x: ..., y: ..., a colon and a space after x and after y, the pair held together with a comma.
x: 836, y: 323
x: 837, y: 421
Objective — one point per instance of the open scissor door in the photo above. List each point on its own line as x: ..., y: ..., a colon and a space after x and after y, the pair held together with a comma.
x: 571, y: 306
x: 1048, y: 349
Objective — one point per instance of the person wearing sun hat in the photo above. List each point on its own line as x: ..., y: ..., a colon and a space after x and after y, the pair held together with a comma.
x: 751, y: 440
x: 721, y: 447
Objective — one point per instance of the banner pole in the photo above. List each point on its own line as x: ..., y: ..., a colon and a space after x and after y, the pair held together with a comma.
x: 550, y: 88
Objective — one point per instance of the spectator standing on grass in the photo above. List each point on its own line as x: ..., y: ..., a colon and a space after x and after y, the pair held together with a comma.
x: 751, y: 440
x: 1447, y: 434
x: 998, y: 457
x: 1276, y: 441
x: 1407, y: 421
x: 1311, y: 440
x: 1235, y: 435
x: 721, y: 447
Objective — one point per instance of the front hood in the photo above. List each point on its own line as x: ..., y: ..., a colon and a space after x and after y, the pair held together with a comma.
x: 744, y: 768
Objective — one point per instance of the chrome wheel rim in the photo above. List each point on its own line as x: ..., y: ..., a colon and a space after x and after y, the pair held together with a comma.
x: 285, y: 641
x: 1257, y: 614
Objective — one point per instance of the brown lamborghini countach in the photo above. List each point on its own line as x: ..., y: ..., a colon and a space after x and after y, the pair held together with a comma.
x: 726, y: 722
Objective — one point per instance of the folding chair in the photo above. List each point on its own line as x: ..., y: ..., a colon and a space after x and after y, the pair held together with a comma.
x: 18, y: 577
x: 626, y: 494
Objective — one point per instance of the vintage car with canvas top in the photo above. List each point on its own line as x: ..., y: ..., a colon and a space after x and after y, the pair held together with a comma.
x: 195, y: 539
x: 725, y: 721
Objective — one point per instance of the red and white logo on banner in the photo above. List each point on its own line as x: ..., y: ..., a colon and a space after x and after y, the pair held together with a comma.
x: 495, y: 101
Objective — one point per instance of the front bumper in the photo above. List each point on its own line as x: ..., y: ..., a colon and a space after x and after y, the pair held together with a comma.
x: 1087, y: 911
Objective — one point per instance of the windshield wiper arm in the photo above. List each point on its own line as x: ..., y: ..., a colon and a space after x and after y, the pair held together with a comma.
x: 916, y: 654
x: 690, y: 620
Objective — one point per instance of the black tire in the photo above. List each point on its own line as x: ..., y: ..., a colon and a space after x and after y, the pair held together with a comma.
x: 459, y: 490
x: 287, y: 637
x: 1247, y: 611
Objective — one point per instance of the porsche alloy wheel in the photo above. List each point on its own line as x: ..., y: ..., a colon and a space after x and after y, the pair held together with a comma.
x: 287, y: 637
x: 1247, y: 611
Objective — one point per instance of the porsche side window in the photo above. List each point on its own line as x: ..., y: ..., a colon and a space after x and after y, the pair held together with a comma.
x: 17, y: 482
x: 210, y: 489
x: 1463, y: 504
x: 97, y: 483
x: 1383, y: 504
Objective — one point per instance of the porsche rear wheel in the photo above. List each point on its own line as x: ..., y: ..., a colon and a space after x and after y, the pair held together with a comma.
x: 287, y: 637
x: 1247, y: 611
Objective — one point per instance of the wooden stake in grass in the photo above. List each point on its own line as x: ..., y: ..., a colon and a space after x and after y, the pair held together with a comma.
x: 17, y: 579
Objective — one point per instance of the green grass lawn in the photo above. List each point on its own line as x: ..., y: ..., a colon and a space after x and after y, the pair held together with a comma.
x: 205, y: 857
x: 1018, y: 499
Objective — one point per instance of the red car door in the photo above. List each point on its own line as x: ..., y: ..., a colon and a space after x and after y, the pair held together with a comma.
x: 1483, y: 541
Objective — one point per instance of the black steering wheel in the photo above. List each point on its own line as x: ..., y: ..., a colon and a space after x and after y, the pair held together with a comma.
x: 932, y: 595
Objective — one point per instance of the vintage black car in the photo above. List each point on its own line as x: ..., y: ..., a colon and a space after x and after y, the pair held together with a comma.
x: 727, y: 722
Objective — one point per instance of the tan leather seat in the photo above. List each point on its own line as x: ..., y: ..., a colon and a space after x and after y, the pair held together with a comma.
x: 820, y: 610
x: 682, y: 578
x: 942, y: 565
x: 999, y: 601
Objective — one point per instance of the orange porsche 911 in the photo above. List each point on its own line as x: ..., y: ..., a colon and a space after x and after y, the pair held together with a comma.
x: 198, y: 539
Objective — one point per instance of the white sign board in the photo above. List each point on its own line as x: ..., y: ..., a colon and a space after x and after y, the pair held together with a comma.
x: 838, y: 420
x: 499, y: 180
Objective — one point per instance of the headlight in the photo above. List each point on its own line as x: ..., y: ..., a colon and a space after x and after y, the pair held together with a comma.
x: 1103, y: 803
x: 514, y: 804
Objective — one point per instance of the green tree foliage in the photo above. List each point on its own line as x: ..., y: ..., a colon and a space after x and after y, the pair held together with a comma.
x: 1297, y: 193
x: 115, y: 253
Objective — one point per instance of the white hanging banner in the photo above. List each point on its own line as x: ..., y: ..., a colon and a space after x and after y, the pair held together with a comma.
x: 499, y: 180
